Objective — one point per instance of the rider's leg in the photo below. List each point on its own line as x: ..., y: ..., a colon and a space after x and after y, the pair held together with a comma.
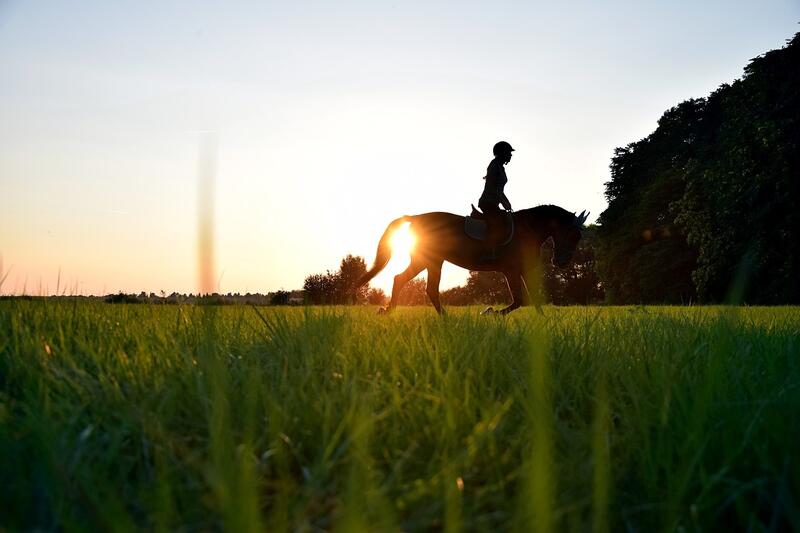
x: 494, y: 228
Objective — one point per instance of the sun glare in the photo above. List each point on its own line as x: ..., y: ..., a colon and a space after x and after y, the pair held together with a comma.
x: 403, y: 241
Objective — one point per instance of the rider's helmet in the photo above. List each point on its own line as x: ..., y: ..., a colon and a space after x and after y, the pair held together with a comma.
x: 502, y: 148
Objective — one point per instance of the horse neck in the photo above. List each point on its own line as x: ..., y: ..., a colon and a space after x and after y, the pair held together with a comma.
x: 535, y: 225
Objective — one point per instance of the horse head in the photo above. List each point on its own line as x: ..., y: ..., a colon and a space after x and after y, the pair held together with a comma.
x: 565, y: 237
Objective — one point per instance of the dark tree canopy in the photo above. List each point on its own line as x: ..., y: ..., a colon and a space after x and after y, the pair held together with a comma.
x: 705, y: 206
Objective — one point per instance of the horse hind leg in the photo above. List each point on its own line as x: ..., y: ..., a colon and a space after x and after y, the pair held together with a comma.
x: 401, y: 279
x: 432, y: 287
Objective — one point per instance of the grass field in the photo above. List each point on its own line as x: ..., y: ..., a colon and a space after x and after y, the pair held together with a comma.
x: 120, y: 417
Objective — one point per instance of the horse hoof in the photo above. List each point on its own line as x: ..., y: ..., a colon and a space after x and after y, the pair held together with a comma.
x: 488, y: 311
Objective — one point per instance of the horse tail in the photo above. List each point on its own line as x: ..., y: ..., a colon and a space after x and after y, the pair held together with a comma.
x: 384, y: 252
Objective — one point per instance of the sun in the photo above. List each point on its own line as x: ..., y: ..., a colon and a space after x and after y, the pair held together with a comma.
x: 403, y: 241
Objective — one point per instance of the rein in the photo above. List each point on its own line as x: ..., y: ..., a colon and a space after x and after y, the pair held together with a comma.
x: 512, y: 232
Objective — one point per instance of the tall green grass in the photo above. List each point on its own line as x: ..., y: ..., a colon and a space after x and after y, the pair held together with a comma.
x: 199, y: 418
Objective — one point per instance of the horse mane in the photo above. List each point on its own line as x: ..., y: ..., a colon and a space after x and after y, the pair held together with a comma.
x: 549, y: 212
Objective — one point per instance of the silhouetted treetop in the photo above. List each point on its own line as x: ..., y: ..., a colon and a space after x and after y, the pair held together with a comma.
x: 705, y: 206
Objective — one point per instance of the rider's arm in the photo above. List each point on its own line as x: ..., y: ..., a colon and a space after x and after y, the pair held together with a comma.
x: 504, y: 201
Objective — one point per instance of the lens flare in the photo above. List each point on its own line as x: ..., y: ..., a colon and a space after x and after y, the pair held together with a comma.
x: 403, y: 241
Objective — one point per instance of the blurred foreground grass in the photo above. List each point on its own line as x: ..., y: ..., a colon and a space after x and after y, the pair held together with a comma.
x: 119, y: 417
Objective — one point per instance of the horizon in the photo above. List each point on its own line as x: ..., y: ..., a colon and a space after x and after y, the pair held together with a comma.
x: 358, y: 114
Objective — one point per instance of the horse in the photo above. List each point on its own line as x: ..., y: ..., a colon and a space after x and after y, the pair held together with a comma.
x: 442, y: 237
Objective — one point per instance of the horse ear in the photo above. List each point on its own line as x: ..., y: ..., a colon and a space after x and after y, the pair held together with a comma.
x: 580, y: 219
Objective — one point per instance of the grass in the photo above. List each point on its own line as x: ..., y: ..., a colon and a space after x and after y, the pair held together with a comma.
x: 127, y: 417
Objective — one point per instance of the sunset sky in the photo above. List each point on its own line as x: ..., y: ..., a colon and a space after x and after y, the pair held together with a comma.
x: 330, y: 119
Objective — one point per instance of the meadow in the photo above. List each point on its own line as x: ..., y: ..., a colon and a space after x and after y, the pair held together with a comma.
x: 187, y: 418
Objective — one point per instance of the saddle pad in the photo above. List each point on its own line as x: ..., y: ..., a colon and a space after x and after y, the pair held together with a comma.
x: 475, y: 228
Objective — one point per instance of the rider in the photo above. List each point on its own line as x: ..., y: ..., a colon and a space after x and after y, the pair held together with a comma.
x: 493, y: 195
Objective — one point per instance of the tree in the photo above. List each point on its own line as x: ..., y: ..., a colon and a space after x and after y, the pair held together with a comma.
x: 642, y: 254
x: 739, y: 207
x: 320, y: 288
x: 337, y: 287
x: 414, y: 293
x: 705, y: 206
x: 351, y: 269
x: 578, y: 282
x: 456, y: 296
x: 280, y: 297
x: 488, y: 288
x: 376, y: 296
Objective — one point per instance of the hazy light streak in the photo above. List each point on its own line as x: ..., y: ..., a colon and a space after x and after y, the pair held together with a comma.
x: 206, y: 176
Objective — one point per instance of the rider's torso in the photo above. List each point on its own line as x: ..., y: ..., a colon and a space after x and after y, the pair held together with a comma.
x: 495, y: 182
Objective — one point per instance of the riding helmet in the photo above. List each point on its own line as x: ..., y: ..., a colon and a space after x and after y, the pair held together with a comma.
x: 502, y: 148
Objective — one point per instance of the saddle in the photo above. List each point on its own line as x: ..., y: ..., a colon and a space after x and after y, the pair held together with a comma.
x: 476, y: 228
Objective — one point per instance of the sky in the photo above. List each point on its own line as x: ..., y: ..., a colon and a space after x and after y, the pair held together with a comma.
x: 324, y: 122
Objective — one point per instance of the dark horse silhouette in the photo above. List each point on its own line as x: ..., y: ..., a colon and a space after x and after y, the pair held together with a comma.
x: 440, y: 237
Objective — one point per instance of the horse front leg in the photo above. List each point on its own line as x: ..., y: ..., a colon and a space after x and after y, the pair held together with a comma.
x: 514, y: 281
x: 535, y: 299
